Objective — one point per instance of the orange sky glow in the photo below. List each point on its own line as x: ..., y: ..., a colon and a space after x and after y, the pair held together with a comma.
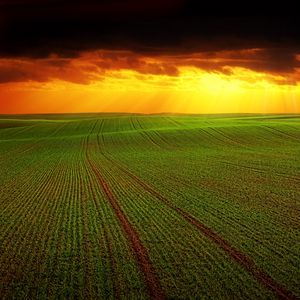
x: 122, y: 81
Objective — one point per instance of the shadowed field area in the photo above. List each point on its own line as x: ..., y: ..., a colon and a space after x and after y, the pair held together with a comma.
x: 150, y: 206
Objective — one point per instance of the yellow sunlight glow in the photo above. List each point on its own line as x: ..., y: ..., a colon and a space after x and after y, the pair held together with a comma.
x: 236, y: 90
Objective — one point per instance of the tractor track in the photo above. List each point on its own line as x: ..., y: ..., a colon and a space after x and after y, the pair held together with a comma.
x: 138, y: 249
x: 243, y: 260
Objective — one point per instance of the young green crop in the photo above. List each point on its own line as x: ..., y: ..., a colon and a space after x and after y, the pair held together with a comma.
x: 120, y: 205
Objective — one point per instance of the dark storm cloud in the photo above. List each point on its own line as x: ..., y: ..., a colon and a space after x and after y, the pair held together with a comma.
x: 40, y: 28
x: 44, y: 70
x: 281, y: 60
x: 88, y: 67
x: 37, y: 28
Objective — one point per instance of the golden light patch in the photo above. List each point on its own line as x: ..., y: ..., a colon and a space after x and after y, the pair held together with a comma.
x: 123, y: 82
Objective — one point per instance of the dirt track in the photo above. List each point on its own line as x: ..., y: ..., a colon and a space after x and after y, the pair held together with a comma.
x: 246, y: 262
x: 139, y: 251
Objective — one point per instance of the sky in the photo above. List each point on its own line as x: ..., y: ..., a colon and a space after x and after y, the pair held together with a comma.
x: 148, y: 56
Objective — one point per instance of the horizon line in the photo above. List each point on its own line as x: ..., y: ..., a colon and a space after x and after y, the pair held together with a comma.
x: 141, y: 113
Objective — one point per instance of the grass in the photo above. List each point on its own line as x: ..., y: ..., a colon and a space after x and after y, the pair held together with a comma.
x: 149, y: 206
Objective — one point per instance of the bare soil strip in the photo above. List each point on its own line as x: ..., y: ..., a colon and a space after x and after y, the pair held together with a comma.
x: 243, y: 260
x: 140, y: 252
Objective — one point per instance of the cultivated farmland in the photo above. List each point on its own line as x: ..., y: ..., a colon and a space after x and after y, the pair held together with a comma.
x: 98, y: 206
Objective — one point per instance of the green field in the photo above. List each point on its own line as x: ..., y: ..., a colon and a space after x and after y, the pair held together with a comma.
x: 149, y: 206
